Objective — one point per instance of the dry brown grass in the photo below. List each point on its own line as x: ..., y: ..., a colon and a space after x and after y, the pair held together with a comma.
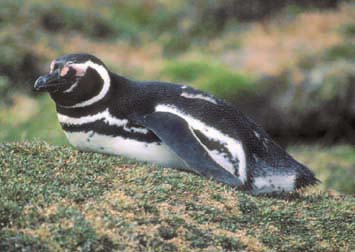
x: 275, y: 45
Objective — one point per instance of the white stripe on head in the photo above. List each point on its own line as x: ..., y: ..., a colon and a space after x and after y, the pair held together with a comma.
x: 234, y: 146
x: 71, y: 88
x: 51, y: 68
x: 103, y: 73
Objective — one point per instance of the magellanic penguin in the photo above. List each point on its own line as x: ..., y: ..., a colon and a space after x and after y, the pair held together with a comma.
x: 172, y: 125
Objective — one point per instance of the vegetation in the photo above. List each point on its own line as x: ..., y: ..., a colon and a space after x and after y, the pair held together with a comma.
x: 208, y: 77
x: 294, y: 78
x: 334, y: 166
x: 57, y: 198
x: 31, y: 119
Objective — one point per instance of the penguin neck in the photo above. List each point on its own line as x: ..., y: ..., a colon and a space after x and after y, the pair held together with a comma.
x: 81, y: 111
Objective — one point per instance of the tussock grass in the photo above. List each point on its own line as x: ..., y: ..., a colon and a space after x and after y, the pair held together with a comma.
x: 59, y: 199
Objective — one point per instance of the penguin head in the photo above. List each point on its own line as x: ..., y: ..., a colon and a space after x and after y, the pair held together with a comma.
x: 75, y: 80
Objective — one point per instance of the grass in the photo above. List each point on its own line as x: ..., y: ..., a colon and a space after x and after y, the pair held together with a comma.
x: 59, y: 199
x: 30, y: 119
x: 341, y: 51
x: 210, y: 77
x: 334, y: 166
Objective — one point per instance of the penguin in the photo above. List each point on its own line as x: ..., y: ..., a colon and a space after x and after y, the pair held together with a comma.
x: 173, y: 125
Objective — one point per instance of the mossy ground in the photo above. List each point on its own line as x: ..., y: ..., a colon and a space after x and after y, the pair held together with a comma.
x: 59, y: 199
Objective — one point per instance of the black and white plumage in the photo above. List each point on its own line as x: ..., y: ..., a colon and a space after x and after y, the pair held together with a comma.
x: 173, y: 125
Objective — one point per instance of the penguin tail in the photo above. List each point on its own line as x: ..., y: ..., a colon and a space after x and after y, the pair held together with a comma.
x: 287, y: 176
x: 305, y: 177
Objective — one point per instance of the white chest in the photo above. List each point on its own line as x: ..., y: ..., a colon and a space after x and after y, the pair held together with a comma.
x: 151, y: 152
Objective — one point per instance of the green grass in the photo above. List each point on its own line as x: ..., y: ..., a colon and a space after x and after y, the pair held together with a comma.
x: 334, y: 166
x: 41, y: 124
x: 210, y: 77
x: 59, y: 199
x: 341, y: 52
x: 348, y: 30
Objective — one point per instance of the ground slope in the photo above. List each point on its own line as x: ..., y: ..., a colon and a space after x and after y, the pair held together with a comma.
x: 59, y: 199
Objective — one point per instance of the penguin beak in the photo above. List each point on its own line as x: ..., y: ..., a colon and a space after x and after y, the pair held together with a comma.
x: 49, y: 82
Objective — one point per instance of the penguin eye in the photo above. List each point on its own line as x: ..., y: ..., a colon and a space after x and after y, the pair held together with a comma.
x: 79, y: 69
x: 67, y: 72
x: 64, y: 71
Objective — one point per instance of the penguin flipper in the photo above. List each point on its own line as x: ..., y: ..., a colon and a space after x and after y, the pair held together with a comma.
x: 175, y: 132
